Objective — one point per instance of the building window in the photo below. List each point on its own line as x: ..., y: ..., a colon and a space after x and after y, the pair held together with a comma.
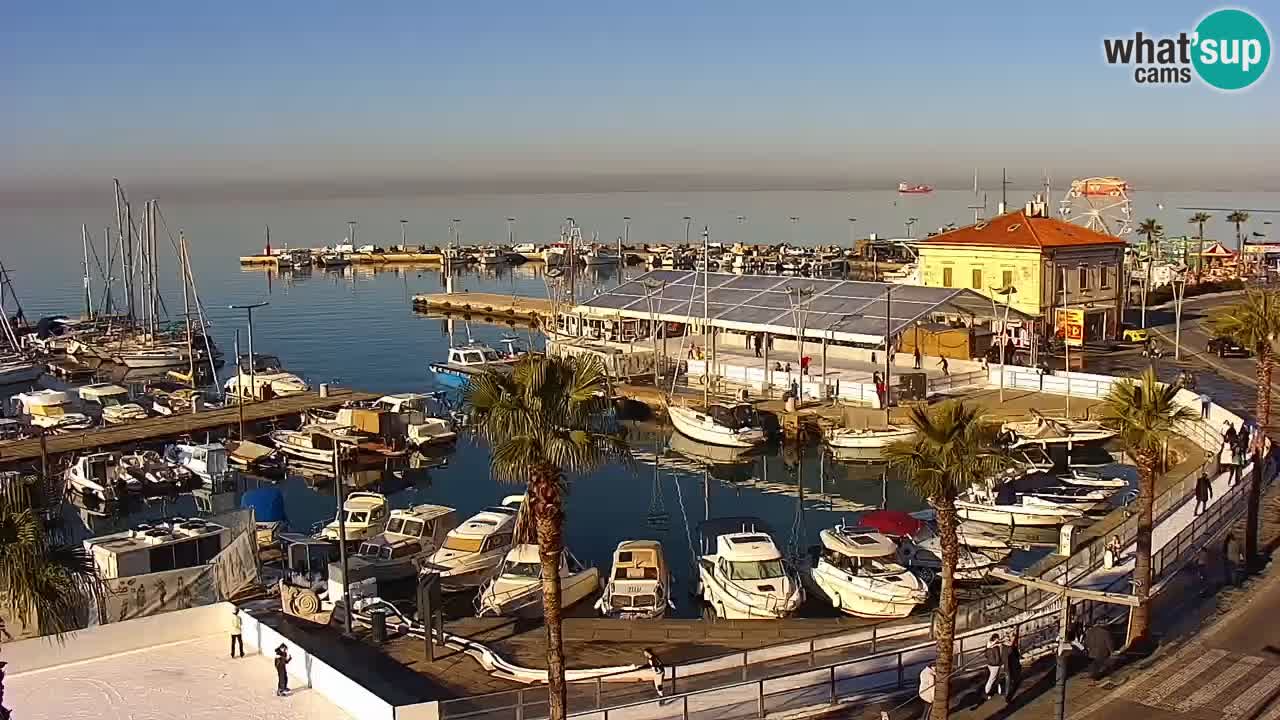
x: 1106, y: 277
x: 946, y: 277
x: 1006, y: 279
x: 977, y: 278
x: 1084, y: 279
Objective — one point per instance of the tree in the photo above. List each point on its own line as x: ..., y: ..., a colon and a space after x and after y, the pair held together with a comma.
x: 548, y: 416
x: 42, y: 579
x: 1151, y: 230
x: 1145, y: 416
x: 1254, y: 322
x: 1238, y: 218
x: 952, y: 451
x: 1199, y: 219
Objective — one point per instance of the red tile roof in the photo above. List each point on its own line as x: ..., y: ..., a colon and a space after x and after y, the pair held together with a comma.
x: 1017, y: 230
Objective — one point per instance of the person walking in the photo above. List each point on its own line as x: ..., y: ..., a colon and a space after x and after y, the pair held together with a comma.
x: 1206, y: 402
x: 994, y: 658
x: 916, y: 359
x: 1232, y: 559
x: 1204, y: 492
x: 1012, y: 667
x: 925, y: 691
x: 1238, y: 460
x: 942, y: 362
x: 235, y: 626
x: 759, y: 342
x: 1099, y: 646
x: 655, y: 667
x: 282, y: 674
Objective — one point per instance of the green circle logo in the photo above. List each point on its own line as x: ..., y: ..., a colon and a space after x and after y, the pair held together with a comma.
x: 1232, y: 49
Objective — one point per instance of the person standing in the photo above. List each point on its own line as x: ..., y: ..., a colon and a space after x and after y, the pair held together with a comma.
x: 1206, y: 402
x: 655, y: 666
x: 1099, y: 646
x: 925, y: 691
x: 759, y: 342
x: 1012, y: 667
x: 1238, y: 460
x: 917, y: 359
x: 994, y: 657
x: 235, y: 626
x: 1232, y: 559
x: 282, y: 673
x: 1204, y: 492
x: 942, y: 362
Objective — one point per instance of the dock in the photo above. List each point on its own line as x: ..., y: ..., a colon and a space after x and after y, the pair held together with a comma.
x: 486, y: 305
x: 171, y: 426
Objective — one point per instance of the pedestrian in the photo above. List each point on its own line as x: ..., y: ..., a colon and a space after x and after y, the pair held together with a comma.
x: 1237, y: 464
x: 759, y: 342
x: 1204, y: 492
x: 1232, y: 559
x: 1229, y: 434
x: 282, y: 675
x: 237, y: 640
x: 985, y: 367
x: 1206, y: 402
x: 994, y: 658
x: 925, y: 690
x: 655, y: 667
x: 1099, y: 646
x: 917, y: 360
x: 1012, y: 667
x: 943, y: 363
x: 787, y: 367
x: 1203, y: 571
x: 804, y: 365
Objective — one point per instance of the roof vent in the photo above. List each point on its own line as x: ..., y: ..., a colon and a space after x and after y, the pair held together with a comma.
x: 980, y: 225
x: 1013, y: 227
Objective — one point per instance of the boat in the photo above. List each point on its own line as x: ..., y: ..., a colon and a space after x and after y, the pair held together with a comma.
x: 741, y: 574
x: 209, y: 462
x: 333, y: 259
x: 422, y: 429
x: 151, y: 548
x: 365, y: 516
x: 639, y: 585
x: 516, y: 591
x: 157, y: 475
x: 161, y: 356
x: 311, y: 442
x: 472, y: 552
x: 1079, y: 498
x: 491, y: 256
x: 269, y: 516
x: 727, y: 425
x: 466, y: 361
x: 294, y: 259
x: 268, y: 379
x: 1090, y: 478
x: 1015, y: 515
x: 905, y: 188
x: 922, y: 524
x: 597, y: 256
x: 857, y: 571
x: 52, y: 410
x: 252, y: 457
x: 94, y: 476
x: 412, y: 535
x: 1054, y: 431
x: 17, y: 370
x: 872, y: 437
x: 111, y: 402
x: 973, y: 564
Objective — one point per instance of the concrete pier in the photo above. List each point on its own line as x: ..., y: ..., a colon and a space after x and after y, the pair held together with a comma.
x: 488, y: 305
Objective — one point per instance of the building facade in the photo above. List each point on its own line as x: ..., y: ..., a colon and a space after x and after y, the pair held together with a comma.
x: 1045, y: 262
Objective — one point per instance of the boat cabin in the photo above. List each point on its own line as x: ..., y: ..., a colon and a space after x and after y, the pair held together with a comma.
x: 46, y: 408
x: 473, y: 355
x: 742, y: 415
x: 410, y: 530
x: 154, y: 548
x: 860, y: 552
x: 639, y: 580
x: 10, y: 429
x: 103, y: 395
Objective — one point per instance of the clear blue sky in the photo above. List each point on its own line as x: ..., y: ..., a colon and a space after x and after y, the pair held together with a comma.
x: 483, y: 91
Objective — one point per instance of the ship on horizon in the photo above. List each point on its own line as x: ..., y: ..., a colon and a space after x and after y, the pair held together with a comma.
x: 909, y: 189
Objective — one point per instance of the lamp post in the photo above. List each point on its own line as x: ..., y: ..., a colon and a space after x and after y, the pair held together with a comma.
x: 340, y: 492
x: 1179, y: 292
x: 1007, y: 293
x: 909, y: 223
x: 403, y: 226
x: 253, y: 390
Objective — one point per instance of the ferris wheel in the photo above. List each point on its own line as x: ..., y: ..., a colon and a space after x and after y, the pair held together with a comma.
x: 1099, y: 203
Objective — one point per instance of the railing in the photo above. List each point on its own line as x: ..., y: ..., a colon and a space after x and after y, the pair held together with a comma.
x: 957, y: 381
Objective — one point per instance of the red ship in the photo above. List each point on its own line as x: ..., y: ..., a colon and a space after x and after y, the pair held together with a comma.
x: 908, y: 189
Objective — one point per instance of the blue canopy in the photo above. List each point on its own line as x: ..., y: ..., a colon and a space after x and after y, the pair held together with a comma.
x: 267, y: 504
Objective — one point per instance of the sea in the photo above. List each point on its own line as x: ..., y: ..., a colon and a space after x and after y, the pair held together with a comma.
x: 356, y: 327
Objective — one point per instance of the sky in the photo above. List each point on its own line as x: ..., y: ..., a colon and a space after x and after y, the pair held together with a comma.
x: 602, y: 95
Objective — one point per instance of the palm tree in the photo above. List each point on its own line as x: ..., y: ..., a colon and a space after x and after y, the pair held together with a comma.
x: 42, y: 580
x: 951, y: 451
x: 1145, y: 415
x: 1199, y: 219
x: 1152, y: 230
x: 1254, y: 322
x: 1238, y: 218
x: 548, y: 416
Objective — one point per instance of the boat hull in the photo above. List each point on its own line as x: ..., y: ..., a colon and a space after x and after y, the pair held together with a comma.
x: 686, y: 421
x: 857, y: 440
x: 528, y: 603
x: 1012, y: 515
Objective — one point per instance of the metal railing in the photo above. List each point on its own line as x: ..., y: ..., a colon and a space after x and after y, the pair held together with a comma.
x: 957, y: 381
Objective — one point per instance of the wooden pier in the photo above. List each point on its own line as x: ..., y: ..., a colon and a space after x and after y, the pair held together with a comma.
x: 486, y: 306
x: 175, y: 425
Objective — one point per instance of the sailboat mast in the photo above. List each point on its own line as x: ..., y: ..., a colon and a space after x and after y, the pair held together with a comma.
x: 186, y: 308
x: 106, y: 281
x: 707, y: 339
x: 88, y: 293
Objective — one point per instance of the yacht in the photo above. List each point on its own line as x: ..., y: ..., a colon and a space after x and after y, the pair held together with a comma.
x: 468, y: 361
x: 156, y: 475
x: 1053, y: 431
x: 877, y: 437
x: 742, y: 576
x: 1015, y: 515
x: 111, y: 402
x: 857, y: 570
x: 925, y: 556
x: 94, y: 476
x: 727, y: 425
x: 269, y: 379
x: 412, y: 535
x: 311, y: 442
x: 208, y: 462
x: 639, y: 585
x: 365, y: 516
x: 472, y: 552
x: 516, y: 591
x: 53, y: 410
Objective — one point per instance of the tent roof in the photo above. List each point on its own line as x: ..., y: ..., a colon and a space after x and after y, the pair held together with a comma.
x: 1217, y: 250
x: 848, y: 310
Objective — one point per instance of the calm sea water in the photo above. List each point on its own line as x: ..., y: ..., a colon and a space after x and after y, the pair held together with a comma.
x: 357, y: 328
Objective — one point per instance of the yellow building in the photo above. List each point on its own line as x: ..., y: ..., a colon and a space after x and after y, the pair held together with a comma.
x: 1035, y: 255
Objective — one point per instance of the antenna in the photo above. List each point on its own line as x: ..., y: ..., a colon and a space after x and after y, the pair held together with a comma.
x: 978, y: 210
x: 1005, y: 182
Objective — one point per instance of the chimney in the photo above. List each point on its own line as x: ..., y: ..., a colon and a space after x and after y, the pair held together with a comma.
x: 1000, y: 208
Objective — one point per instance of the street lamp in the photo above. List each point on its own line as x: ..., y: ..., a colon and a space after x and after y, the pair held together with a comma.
x: 253, y: 390
x: 793, y: 219
x: 910, y: 222
x: 688, y: 220
x: 511, y: 232
x: 403, y: 225
x: 340, y: 493
x: 1007, y: 293
x: 1179, y: 292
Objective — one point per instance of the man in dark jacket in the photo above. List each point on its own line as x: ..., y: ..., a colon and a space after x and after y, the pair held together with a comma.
x: 1232, y: 559
x: 1099, y: 646
x: 1204, y: 492
x: 993, y: 656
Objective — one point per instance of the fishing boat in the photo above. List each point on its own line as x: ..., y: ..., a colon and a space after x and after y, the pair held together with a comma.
x: 905, y: 188
x: 871, y: 437
x: 596, y: 256
x: 312, y: 443
x: 210, y: 462
x: 252, y: 457
x: 156, y: 474
x: 467, y: 361
x: 262, y: 378
x: 972, y: 565
x: 111, y: 403
x: 857, y: 571
x: 741, y: 573
x: 1055, y: 431
x: 472, y: 552
x: 516, y: 591
x: 639, y: 585
x: 727, y: 425
x: 365, y: 515
x: 492, y: 256
x: 94, y: 476
x: 412, y: 535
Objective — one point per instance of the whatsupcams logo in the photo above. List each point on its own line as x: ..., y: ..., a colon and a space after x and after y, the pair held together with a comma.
x: 1229, y: 50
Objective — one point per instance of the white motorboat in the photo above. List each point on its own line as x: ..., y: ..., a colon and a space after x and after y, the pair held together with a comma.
x: 53, y: 410
x: 365, y: 515
x: 598, y: 256
x: 421, y: 428
x: 971, y: 534
x: 94, y: 476
x: 1079, y: 498
x: 268, y: 379
x: 1042, y: 430
x: 311, y: 442
x: 745, y: 578
x: 412, y: 535
x: 111, y: 402
x: 516, y: 591
x: 491, y: 257
x: 1089, y: 478
x: 333, y: 259
x: 209, y: 462
x: 472, y: 552
x: 16, y: 370
x: 1015, y: 515
x: 160, y: 356
x: 727, y: 425
x: 639, y: 584
x: 857, y: 570
x: 467, y: 361
x: 877, y: 437
x: 156, y: 474
x: 973, y: 564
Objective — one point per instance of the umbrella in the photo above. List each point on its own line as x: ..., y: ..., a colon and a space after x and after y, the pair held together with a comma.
x: 891, y: 522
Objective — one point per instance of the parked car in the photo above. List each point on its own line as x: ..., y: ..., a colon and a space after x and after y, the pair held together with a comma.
x: 1134, y: 334
x: 1224, y: 346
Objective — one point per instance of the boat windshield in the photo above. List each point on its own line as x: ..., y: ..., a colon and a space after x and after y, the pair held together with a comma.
x: 873, y: 567
x: 357, y: 516
x: 523, y: 570
x: 755, y: 569
x: 110, y: 400
x: 412, y: 528
x: 459, y: 543
x: 491, y: 356
x: 395, y: 525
